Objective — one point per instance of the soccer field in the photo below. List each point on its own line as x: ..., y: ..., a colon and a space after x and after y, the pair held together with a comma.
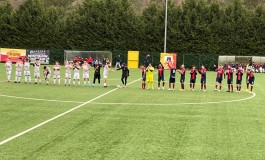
x: 76, y: 122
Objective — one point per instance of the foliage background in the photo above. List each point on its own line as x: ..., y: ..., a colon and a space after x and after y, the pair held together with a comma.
x: 202, y: 28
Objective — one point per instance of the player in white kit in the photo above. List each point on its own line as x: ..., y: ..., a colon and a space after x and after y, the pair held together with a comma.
x: 47, y: 74
x: 56, y: 73
x: 105, y: 74
x: 76, y: 73
x: 36, y: 66
x: 8, y: 66
x: 27, y: 71
x: 68, y: 71
x: 86, y: 68
x: 19, y: 67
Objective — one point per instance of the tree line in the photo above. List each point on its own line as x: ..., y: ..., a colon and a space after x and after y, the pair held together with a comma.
x: 196, y: 26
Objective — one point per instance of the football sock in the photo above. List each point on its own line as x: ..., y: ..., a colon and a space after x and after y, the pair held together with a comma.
x: 122, y: 81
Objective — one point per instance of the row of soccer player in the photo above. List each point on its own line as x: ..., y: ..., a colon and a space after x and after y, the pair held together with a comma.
x: 148, y: 77
x: 56, y: 72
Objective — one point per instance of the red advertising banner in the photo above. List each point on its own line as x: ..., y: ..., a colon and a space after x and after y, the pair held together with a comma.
x: 13, y: 54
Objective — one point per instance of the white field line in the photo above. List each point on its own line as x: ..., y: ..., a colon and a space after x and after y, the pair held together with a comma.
x: 135, y: 104
x: 38, y: 99
x: 60, y: 115
x: 176, y: 104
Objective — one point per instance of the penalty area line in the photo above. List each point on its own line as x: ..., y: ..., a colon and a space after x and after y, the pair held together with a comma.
x: 176, y: 104
x: 58, y: 116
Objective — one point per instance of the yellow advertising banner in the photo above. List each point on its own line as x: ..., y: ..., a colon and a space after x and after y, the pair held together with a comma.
x: 133, y: 59
x: 13, y: 54
x: 165, y: 58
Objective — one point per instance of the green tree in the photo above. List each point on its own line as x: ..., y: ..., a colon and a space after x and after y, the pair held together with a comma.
x: 6, y: 27
x: 104, y: 25
x: 37, y: 26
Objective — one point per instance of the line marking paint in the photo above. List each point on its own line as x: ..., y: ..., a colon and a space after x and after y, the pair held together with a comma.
x: 176, y: 104
x: 37, y: 99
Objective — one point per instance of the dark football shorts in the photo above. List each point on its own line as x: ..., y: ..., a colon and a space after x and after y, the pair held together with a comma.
x: 192, y: 80
x: 203, y: 80
x: 144, y: 78
x: 239, y: 81
x: 229, y: 81
x: 251, y: 80
x: 161, y: 78
x: 172, y: 80
x: 182, y: 80
x: 97, y: 76
x: 219, y: 80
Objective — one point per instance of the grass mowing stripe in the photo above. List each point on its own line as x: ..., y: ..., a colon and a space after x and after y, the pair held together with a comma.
x: 60, y: 115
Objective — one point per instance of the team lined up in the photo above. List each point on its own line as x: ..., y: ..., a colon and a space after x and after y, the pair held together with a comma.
x: 56, y: 72
x: 148, y: 77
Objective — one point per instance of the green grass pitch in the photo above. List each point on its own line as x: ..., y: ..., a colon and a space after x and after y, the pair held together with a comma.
x: 130, y: 123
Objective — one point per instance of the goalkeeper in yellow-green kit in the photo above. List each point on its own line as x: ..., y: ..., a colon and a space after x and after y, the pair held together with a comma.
x: 150, y: 76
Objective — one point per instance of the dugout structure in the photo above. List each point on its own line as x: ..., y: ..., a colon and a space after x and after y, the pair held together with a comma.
x: 240, y: 60
x: 70, y: 55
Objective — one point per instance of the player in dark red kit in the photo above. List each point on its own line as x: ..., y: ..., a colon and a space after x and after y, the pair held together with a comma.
x: 203, y: 78
x: 143, y: 68
x: 193, y: 73
x: 161, y: 76
x: 239, y: 75
x: 125, y: 74
x: 251, y: 79
x: 172, y: 78
x: 229, y: 73
x: 220, y: 72
x: 182, y: 76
